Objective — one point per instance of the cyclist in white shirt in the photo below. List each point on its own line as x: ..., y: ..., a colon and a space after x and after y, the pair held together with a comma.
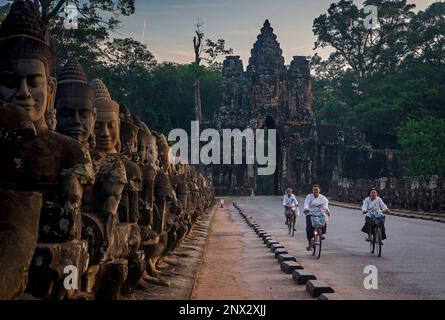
x: 316, y: 206
x: 370, y: 204
x: 290, y: 202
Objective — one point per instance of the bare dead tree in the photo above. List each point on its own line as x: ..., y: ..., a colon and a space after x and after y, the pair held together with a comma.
x: 211, y: 51
x: 197, y: 45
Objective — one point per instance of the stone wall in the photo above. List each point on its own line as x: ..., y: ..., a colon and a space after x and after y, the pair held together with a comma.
x: 422, y: 193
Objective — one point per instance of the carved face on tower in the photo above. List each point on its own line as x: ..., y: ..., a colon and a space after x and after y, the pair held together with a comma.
x: 26, y: 63
x: 76, y: 114
x: 107, y: 126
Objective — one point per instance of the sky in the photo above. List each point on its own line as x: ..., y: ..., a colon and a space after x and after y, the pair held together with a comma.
x: 170, y: 24
x: 167, y: 26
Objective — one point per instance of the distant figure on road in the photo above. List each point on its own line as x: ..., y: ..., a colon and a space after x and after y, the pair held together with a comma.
x: 373, y: 204
x: 290, y: 202
x: 316, y: 206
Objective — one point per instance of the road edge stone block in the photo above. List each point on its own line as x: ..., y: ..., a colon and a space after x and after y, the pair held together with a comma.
x: 290, y: 266
x: 267, y: 235
x: 286, y: 257
x: 280, y: 251
x: 330, y: 296
x: 271, y: 242
x: 276, y: 246
x: 316, y: 288
x: 303, y: 276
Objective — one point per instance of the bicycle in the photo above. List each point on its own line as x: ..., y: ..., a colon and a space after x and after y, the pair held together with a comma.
x: 317, y: 242
x: 377, y: 220
x: 318, y: 222
x: 291, y: 220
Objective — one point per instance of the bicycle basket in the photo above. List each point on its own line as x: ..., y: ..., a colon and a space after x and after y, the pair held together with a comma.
x: 318, y: 221
x: 377, y: 216
x: 377, y: 220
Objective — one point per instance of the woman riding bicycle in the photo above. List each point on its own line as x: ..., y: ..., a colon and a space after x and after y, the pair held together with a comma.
x: 290, y: 202
x: 315, y: 207
x: 373, y: 205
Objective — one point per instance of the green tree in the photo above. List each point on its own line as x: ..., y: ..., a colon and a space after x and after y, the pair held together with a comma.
x: 427, y: 35
x: 366, y: 51
x: 4, y: 11
x: 423, y: 140
x: 377, y: 85
x: 172, y: 103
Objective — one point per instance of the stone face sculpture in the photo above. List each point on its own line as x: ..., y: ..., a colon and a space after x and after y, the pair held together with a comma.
x: 148, y: 162
x: 61, y: 209
x: 181, y: 216
x: 32, y: 189
x: 129, y: 208
x: 153, y: 236
x: 106, y: 244
x: 129, y: 205
x: 74, y: 103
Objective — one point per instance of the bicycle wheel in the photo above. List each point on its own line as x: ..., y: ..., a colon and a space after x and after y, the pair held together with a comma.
x: 317, y: 244
x: 378, y: 241
x: 289, y: 224
x: 293, y: 220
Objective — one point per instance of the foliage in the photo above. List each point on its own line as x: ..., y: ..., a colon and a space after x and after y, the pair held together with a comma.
x: 377, y: 79
x: 424, y: 139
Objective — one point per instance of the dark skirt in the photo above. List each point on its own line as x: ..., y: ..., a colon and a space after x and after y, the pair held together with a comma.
x: 368, y: 227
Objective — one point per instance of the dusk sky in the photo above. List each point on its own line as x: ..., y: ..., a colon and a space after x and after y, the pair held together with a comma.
x: 170, y: 24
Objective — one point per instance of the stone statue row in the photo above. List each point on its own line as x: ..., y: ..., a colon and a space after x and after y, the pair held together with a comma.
x: 86, y: 187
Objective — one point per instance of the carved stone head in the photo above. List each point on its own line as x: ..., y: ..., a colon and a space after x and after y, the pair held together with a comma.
x: 107, y: 126
x: 152, y: 152
x: 75, y: 103
x: 26, y: 62
x: 164, y: 153
x: 144, y: 135
x: 128, y: 132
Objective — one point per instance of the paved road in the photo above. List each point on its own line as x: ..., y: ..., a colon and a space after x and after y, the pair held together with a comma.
x: 238, y: 266
x: 412, y: 265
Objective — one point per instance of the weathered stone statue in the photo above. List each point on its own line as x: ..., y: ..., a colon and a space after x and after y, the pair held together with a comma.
x: 179, y: 182
x: 40, y: 202
x: 76, y: 116
x: 129, y: 205
x: 153, y: 235
x: 107, y: 243
x: 165, y: 196
x: 74, y: 103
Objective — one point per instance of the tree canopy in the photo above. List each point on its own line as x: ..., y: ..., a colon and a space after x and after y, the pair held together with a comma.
x: 384, y: 79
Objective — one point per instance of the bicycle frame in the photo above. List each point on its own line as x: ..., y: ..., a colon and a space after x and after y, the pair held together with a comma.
x: 291, y: 217
x: 317, y: 241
